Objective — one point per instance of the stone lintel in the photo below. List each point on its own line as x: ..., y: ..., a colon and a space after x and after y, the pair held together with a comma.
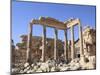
x: 50, y: 22
x: 72, y: 22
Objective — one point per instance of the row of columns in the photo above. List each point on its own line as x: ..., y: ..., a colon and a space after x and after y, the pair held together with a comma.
x: 55, y: 43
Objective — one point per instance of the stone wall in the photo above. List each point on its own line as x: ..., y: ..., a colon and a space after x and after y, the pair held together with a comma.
x: 89, y: 42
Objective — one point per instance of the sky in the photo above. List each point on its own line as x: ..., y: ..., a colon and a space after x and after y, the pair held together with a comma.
x: 24, y: 12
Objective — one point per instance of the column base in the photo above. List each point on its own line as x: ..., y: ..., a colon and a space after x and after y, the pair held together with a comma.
x: 82, y: 59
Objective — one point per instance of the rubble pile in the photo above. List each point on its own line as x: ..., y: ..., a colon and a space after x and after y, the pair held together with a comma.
x: 53, y: 66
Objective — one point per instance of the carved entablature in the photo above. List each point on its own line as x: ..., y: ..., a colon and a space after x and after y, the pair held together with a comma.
x: 72, y: 22
x: 50, y: 22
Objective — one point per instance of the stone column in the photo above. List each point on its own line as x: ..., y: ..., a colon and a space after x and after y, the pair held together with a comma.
x: 65, y: 45
x: 81, y: 44
x: 43, y: 43
x: 72, y: 43
x: 69, y: 50
x: 29, y: 41
x: 81, y: 40
x: 55, y: 44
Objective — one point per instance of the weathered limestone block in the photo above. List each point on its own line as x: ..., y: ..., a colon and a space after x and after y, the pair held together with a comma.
x: 89, y: 41
x: 44, y: 67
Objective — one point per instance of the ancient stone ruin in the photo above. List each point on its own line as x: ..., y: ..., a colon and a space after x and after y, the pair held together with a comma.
x: 80, y: 53
x: 56, y: 25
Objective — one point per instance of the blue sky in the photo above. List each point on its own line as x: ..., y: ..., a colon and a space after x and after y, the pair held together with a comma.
x: 23, y: 12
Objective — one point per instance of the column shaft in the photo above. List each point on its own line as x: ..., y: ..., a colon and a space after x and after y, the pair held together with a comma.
x: 55, y: 44
x: 65, y: 45
x: 43, y: 43
x: 29, y: 41
x: 81, y: 40
x: 72, y: 43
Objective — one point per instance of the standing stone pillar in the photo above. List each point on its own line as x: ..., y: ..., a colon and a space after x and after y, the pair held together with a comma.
x: 55, y: 44
x: 81, y: 44
x: 29, y: 43
x: 72, y: 44
x: 65, y: 45
x: 69, y: 50
x: 43, y: 43
x: 81, y: 40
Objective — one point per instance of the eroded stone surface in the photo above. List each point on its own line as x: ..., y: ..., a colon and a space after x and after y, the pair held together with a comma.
x: 52, y: 67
